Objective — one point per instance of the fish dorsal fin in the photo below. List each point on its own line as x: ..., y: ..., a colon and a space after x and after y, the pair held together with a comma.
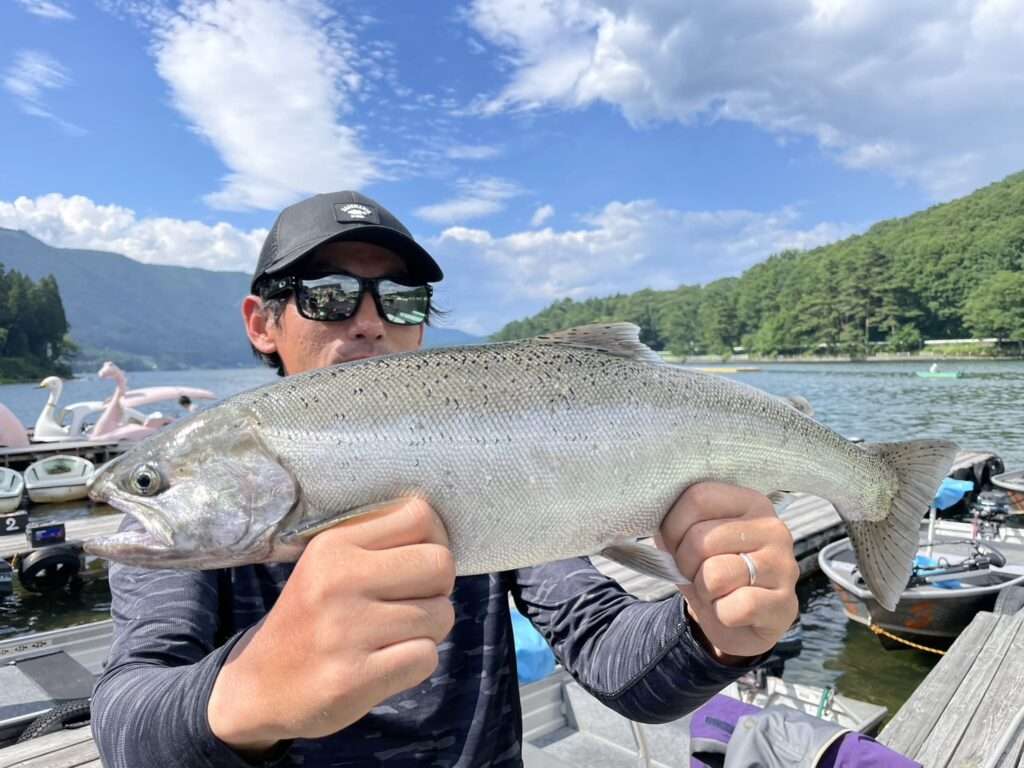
x: 619, y: 339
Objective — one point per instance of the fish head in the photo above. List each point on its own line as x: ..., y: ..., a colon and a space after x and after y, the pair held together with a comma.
x: 206, y: 491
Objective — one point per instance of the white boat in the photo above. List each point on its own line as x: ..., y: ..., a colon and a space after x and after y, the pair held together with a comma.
x: 12, y: 486
x: 58, y: 478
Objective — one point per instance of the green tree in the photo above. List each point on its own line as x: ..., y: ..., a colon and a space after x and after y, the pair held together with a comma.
x: 996, y: 307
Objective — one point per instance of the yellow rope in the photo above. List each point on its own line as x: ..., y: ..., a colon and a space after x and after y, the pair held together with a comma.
x: 879, y: 631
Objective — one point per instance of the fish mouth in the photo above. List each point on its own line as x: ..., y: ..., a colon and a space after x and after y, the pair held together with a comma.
x: 158, y: 534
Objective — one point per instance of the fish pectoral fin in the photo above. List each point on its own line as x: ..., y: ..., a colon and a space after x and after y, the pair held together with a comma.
x: 645, y: 559
x: 302, y: 533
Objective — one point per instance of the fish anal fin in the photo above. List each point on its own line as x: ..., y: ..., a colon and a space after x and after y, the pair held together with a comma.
x: 619, y: 339
x: 781, y: 499
x: 645, y: 559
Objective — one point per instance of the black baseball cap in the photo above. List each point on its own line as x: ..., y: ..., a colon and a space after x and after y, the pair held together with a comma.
x: 309, y: 223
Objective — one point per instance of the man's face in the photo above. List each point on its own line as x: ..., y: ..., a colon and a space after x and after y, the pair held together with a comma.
x: 304, y: 344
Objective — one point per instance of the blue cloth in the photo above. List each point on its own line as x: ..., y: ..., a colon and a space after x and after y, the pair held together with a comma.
x: 951, y: 491
x: 534, y: 659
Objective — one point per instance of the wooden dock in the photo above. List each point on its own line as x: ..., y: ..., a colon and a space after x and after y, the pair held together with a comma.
x: 78, y: 530
x: 95, y: 451
x: 967, y: 713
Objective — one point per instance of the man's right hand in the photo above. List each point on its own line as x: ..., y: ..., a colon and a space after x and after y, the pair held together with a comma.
x: 359, y: 620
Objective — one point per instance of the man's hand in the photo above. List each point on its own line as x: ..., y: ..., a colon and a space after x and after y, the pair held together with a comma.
x: 359, y: 620
x: 705, y: 531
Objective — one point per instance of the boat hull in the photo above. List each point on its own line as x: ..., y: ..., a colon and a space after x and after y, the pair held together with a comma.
x: 926, y: 614
x: 58, y: 478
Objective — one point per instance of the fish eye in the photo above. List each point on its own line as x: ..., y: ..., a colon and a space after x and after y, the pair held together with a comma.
x: 145, y: 480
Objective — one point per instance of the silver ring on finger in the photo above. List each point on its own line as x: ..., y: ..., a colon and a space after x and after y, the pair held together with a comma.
x: 751, y: 567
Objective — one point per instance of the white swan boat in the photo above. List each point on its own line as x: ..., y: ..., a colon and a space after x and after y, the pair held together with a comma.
x: 12, y: 487
x: 58, y: 478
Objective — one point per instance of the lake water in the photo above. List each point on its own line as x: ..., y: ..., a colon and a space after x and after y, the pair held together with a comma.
x: 983, y: 411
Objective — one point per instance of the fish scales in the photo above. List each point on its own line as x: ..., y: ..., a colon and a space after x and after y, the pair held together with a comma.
x: 566, y: 449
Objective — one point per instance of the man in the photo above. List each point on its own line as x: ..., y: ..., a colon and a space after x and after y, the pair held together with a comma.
x: 368, y: 649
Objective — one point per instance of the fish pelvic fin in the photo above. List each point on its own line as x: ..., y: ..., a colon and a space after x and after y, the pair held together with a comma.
x: 619, y: 339
x: 886, y: 548
x: 645, y: 559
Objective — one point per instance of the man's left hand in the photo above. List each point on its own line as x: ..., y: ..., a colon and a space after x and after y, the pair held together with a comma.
x: 705, y: 531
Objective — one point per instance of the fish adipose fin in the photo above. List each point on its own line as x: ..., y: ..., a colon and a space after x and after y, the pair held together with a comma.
x: 886, y: 548
x: 619, y: 339
x: 802, y: 404
x: 645, y: 559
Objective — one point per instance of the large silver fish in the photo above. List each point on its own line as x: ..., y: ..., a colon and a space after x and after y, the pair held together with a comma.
x: 573, y: 443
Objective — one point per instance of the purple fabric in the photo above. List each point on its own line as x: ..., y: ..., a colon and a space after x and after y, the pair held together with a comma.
x: 855, y: 750
x: 712, y: 726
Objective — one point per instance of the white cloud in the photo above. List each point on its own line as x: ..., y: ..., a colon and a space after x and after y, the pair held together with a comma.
x: 47, y: 9
x: 267, y: 84
x: 472, y: 152
x: 542, y: 214
x: 924, y: 91
x: 78, y: 222
x: 477, y: 198
x: 29, y: 77
x: 624, y: 247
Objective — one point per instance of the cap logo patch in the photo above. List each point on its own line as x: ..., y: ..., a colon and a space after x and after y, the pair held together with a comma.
x: 346, y: 212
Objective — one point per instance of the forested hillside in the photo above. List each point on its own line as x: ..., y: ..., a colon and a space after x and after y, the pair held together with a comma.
x: 955, y: 270
x: 33, y: 340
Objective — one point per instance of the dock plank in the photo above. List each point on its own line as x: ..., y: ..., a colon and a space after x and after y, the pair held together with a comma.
x: 952, y: 727
x: 72, y: 748
x: 912, y: 725
x: 1004, y: 698
x: 78, y: 529
x: 969, y: 700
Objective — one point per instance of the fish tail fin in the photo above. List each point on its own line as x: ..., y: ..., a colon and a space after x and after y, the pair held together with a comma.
x: 886, y: 548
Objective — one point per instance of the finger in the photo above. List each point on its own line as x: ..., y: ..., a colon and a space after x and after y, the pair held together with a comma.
x: 392, y: 524
x: 710, y: 501
x: 409, y: 572
x: 723, y: 574
x: 397, y: 621
x: 716, y: 537
x: 399, y: 667
x: 765, y: 610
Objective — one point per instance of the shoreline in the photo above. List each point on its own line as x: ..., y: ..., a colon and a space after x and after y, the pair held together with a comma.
x: 745, y: 359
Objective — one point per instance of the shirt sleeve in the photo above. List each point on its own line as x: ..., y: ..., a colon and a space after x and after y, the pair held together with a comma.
x: 640, y: 658
x: 149, y: 705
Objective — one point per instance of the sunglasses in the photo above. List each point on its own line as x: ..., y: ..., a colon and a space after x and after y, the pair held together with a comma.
x: 337, y: 297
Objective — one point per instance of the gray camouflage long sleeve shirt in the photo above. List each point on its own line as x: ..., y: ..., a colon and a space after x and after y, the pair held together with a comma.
x: 174, y: 629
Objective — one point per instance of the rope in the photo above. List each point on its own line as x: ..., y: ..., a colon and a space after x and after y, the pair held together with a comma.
x: 879, y: 631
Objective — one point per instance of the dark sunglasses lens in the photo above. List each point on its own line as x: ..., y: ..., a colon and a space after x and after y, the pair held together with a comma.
x: 329, y: 298
x: 404, y: 304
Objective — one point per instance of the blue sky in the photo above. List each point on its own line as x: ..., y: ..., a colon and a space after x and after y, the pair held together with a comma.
x: 540, y: 149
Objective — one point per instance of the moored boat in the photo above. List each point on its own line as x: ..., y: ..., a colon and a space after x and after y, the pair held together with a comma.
x: 58, y: 478
x: 12, y: 487
x: 1013, y: 483
x: 954, y: 577
x: 940, y: 374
